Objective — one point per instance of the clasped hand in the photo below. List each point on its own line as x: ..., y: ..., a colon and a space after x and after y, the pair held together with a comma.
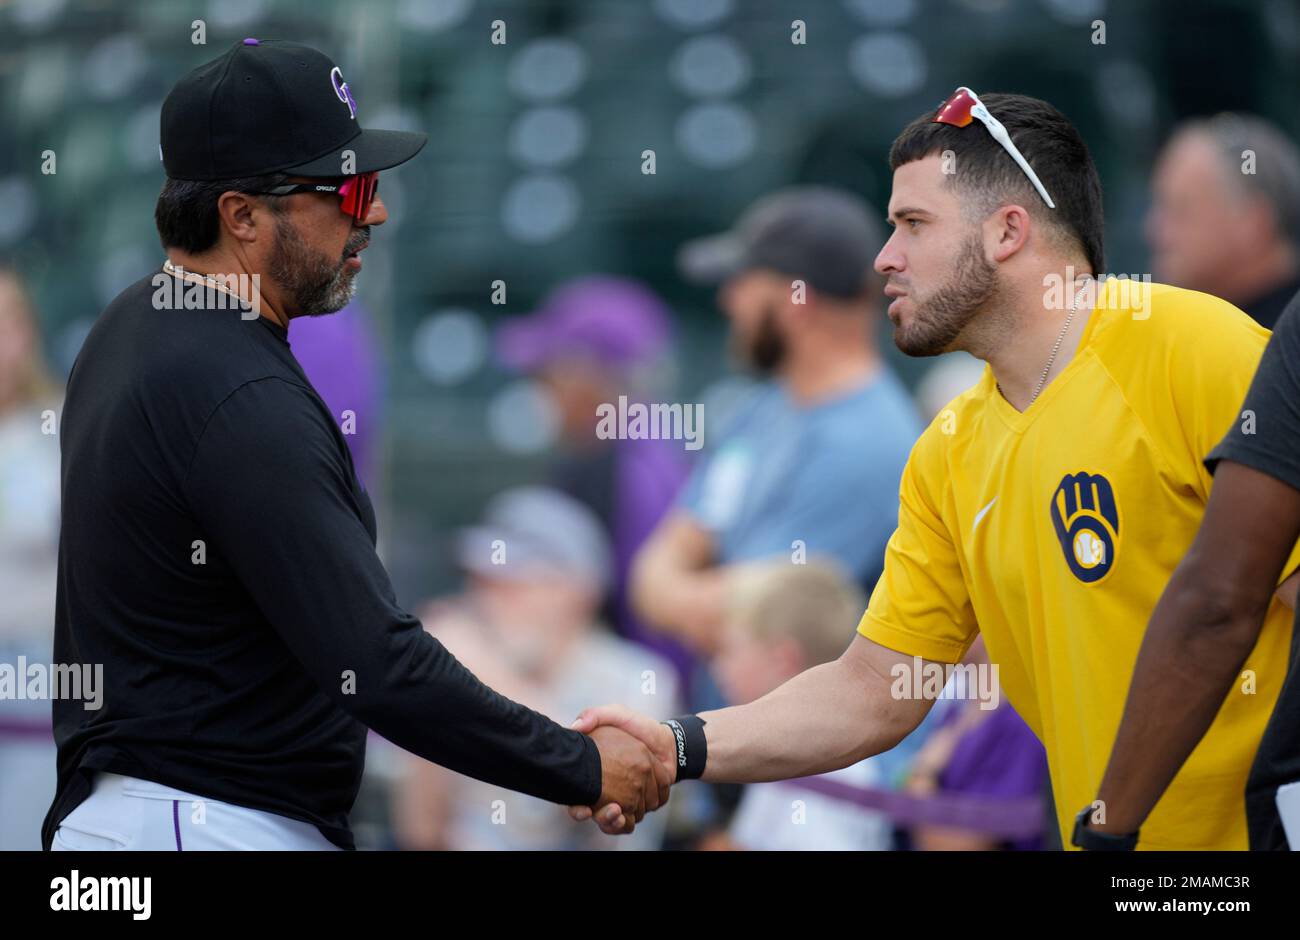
x: 637, y: 762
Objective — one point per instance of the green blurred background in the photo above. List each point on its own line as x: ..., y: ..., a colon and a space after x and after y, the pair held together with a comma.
x: 533, y: 173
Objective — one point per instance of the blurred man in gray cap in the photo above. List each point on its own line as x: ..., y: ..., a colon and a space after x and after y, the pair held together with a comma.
x: 811, y: 464
x: 1225, y: 213
x: 527, y: 622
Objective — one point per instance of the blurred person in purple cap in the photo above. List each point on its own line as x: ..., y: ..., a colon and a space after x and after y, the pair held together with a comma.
x: 593, y: 340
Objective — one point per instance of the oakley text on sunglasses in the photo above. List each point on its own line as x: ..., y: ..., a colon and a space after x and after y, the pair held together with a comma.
x: 356, y: 193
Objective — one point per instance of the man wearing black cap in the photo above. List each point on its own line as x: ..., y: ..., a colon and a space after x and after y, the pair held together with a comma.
x: 217, y: 553
x: 810, y: 466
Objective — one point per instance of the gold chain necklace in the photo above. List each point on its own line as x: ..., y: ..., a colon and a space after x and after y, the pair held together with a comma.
x: 1042, y: 380
x: 191, y: 276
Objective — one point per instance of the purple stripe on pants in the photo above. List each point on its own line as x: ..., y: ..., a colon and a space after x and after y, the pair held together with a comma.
x: 176, y: 823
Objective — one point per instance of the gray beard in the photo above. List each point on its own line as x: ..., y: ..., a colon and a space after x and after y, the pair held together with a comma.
x: 313, y: 285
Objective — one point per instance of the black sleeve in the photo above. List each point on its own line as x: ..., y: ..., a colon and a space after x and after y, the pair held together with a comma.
x: 271, y: 487
x: 1266, y: 435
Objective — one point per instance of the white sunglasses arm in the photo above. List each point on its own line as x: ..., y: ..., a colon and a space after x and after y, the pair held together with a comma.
x: 1002, y: 137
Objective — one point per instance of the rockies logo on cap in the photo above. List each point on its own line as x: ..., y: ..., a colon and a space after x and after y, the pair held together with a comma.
x: 342, y: 90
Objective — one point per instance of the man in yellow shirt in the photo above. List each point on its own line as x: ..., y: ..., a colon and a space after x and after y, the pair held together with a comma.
x: 1044, y: 508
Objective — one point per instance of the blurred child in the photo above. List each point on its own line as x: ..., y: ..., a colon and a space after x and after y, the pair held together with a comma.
x: 782, y: 619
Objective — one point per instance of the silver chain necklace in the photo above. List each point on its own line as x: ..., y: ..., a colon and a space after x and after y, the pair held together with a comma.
x: 1078, y: 297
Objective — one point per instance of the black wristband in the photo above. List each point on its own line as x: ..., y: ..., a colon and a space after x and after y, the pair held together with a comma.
x: 692, y: 749
x: 1091, y: 840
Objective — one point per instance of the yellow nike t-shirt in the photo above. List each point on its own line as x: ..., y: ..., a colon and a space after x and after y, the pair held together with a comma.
x: 1053, y: 532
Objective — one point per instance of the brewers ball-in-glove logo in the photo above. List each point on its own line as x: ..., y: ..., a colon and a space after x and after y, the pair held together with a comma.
x: 1086, y: 520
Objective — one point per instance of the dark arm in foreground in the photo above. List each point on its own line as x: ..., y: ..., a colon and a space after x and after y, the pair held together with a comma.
x: 1202, y: 630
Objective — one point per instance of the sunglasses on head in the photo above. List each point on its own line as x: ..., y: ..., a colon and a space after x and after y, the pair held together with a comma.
x: 965, y: 106
x: 356, y: 193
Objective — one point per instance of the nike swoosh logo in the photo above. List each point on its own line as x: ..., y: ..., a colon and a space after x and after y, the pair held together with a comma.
x: 982, y: 513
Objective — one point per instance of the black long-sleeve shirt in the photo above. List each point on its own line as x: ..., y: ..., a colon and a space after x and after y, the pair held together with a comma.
x: 217, y: 557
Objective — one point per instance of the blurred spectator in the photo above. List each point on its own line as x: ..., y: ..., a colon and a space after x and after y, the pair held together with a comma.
x: 781, y: 620
x: 988, y: 753
x: 812, y: 463
x: 595, y: 339
x: 1225, y: 215
x: 951, y: 374
x: 29, y: 538
x: 536, y: 569
x: 340, y: 355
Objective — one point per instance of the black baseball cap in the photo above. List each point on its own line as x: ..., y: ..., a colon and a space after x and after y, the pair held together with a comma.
x: 268, y: 106
x: 826, y: 237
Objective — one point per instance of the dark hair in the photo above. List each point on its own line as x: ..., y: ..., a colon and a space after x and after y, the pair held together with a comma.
x: 186, y: 213
x: 1047, y: 140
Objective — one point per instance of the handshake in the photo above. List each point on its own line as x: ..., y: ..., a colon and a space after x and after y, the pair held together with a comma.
x: 638, y: 762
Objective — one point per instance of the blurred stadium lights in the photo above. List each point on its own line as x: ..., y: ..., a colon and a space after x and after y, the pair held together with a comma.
x: 432, y: 17
x: 36, y: 15
x: 113, y: 66
x: 230, y: 14
x: 522, y: 418
x: 19, y: 199
x: 692, y: 14
x: 709, y: 66
x: 546, y: 69
x: 548, y: 136
x: 882, y: 12
x: 540, y: 207
x: 888, y: 64
x: 987, y: 6
x: 1282, y: 24
x: 1075, y: 12
x: 1126, y: 91
x: 450, y: 345
x: 716, y: 134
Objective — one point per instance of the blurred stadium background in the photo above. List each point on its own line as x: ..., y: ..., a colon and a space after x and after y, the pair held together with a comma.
x: 533, y: 170
x: 533, y: 173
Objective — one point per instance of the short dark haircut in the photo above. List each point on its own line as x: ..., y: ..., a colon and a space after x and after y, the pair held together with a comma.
x: 186, y: 213
x: 988, y: 174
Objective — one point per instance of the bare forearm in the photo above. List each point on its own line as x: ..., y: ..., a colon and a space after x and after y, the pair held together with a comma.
x: 1190, y: 658
x: 821, y: 720
x: 681, y: 600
